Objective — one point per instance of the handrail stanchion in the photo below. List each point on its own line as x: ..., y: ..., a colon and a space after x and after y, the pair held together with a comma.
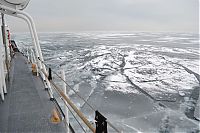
x: 35, y: 61
x: 72, y: 105
x: 65, y: 92
x: 1, y: 74
x: 3, y: 80
x: 5, y: 45
x: 27, y: 53
x: 31, y: 56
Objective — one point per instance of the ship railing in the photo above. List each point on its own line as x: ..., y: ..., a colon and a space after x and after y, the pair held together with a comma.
x: 37, y: 50
x: 70, y: 107
x: 5, y: 59
x: 101, y: 121
x: 3, y: 73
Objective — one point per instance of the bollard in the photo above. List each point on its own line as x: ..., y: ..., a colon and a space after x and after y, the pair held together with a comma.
x: 34, y: 69
x: 55, y: 116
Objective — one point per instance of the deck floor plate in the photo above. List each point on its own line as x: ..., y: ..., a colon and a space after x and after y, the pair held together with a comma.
x: 27, y: 107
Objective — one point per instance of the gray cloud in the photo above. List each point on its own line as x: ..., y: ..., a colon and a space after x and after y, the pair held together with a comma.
x: 134, y: 15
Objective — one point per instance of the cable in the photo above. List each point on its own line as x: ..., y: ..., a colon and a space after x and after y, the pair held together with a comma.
x: 109, y: 123
x: 71, y: 88
x: 70, y: 110
x: 73, y: 115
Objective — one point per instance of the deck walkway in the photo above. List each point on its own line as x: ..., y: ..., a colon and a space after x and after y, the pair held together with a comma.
x: 27, y: 107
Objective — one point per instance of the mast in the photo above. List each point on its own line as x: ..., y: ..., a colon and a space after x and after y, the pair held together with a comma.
x: 4, y: 43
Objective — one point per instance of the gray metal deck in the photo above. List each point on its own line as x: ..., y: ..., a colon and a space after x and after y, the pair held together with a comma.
x: 27, y: 107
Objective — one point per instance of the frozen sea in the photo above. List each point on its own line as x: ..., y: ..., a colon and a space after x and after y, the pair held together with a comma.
x: 142, y: 82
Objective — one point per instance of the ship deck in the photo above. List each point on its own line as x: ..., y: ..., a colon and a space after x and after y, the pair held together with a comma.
x: 27, y: 107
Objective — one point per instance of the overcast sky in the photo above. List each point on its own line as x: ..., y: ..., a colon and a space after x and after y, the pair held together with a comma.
x: 111, y: 15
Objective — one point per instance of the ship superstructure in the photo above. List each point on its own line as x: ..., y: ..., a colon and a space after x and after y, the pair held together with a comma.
x: 28, y: 89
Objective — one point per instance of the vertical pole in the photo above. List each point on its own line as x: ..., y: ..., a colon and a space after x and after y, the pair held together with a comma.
x: 9, y: 44
x: 6, y: 56
x: 65, y: 92
x: 27, y: 54
x: 4, y: 42
x: 1, y: 79
x: 35, y: 61
x: 31, y: 57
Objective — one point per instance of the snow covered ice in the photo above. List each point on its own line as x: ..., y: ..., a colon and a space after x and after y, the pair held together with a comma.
x: 107, y: 67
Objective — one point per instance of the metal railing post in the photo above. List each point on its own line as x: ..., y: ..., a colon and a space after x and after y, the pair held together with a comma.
x: 5, y: 45
x: 65, y: 92
x: 34, y: 60
x: 3, y: 77
x: 3, y: 83
x: 27, y: 53
x: 1, y: 74
x: 31, y: 56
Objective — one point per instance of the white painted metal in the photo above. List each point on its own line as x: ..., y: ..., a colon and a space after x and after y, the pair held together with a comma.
x: 31, y: 32
x: 32, y: 28
x: 3, y: 66
x: 27, y: 53
x: 7, y: 43
x: 10, y: 12
x: 33, y: 56
x: 65, y: 92
x: 30, y: 58
x: 1, y: 74
x: 37, y: 47
x: 39, y: 50
x: 16, y: 13
x: 34, y: 60
x: 3, y: 78
x: 15, y: 4
x: 38, y: 53
x: 16, y: 1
